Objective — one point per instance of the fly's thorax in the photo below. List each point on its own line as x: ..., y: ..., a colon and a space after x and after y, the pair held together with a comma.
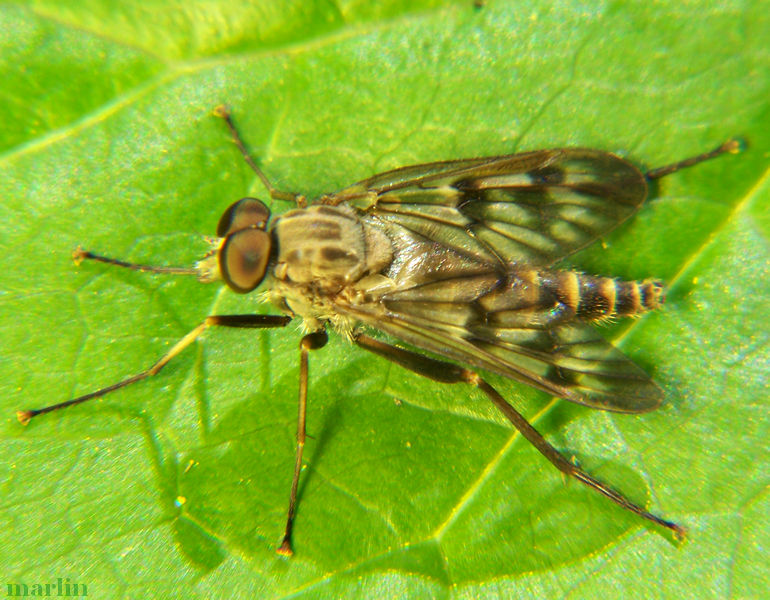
x: 328, y: 247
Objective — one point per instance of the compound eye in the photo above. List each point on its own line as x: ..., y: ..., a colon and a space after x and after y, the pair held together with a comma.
x: 243, y: 259
x: 247, y: 212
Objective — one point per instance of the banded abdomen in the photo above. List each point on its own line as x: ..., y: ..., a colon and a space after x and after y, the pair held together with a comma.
x: 595, y: 298
x: 541, y: 298
x: 523, y: 299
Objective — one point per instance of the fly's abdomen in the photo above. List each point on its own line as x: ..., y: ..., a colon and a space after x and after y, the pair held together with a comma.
x: 595, y: 298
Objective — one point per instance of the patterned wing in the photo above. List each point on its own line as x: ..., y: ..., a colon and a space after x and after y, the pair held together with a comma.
x: 481, y: 319
x: 532, y: 208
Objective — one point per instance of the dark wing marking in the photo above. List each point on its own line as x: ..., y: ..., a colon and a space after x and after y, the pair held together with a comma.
x: 531, y: 208
x: 479, y: 320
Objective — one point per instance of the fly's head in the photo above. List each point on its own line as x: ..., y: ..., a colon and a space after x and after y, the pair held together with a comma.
x: 242, y: 247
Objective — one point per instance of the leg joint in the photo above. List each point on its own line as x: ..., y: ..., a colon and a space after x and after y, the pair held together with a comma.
x: 314, y: 341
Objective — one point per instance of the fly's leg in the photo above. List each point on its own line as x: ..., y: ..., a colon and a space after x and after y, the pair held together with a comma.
x: 237, y: 321
x: 448, y: 373
x: 732, y: 146
x: 312, y: 341
x: 223, y: 112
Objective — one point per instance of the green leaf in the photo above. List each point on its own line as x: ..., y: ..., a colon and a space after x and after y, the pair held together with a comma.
x: 178, y: 486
